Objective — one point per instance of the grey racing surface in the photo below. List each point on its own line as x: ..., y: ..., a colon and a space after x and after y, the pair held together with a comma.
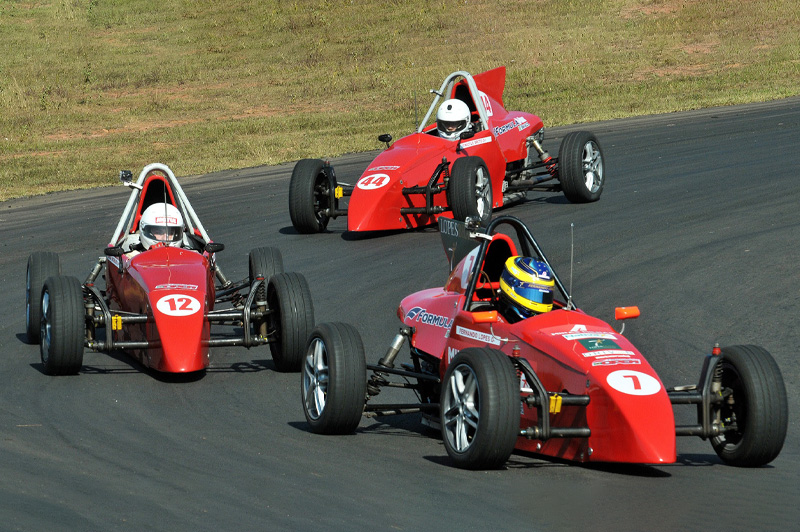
x: 697, y: 225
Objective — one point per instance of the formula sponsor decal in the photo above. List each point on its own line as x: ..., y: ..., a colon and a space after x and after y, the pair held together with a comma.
x: 373, y: 181
x: 421, y: 315
x: 518, y: 123
x: 382, y: 168
x: 476, y: 142
x: 633, y: 382
x: 178, y: 305
x: 477, y: 335
x: 174, y: 286
x: 616, y: 362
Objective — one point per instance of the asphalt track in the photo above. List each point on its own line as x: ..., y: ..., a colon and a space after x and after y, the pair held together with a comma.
x: 698, y: 225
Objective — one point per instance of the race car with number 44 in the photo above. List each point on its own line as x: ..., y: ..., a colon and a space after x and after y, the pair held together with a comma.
x: 502, y: 359
x: 162, y: 293
x: 466, y: 158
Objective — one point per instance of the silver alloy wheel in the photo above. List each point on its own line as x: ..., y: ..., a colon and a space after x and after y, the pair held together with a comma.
x: 315, y: 379
x: 45, y: 327
x: 592, y: 166
x: 483, y: 192
x: 461, y: 408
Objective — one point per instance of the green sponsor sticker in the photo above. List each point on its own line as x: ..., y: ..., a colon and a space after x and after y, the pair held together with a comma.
x: 596, y: 344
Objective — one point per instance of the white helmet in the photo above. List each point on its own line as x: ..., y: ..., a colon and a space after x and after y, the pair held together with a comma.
x: 161, y: 223
x: 452, y: 119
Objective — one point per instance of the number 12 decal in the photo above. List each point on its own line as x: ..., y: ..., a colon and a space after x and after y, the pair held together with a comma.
x: 178, y: 305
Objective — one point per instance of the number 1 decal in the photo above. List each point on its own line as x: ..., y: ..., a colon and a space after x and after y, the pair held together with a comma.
x: 633, y: 382
x: 178, y: 305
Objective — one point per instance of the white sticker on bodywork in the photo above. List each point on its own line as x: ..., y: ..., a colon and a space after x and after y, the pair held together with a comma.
x: 178, y: 305
x: 373, y: 181
x: 633, y: 382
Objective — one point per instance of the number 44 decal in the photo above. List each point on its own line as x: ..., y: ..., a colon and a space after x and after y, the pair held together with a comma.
x: 178, y: 305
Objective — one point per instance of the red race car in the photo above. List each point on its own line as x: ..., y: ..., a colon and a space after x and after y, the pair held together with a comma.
x: 162, y: 293
x: 473, y: 157
x: 498, y: 363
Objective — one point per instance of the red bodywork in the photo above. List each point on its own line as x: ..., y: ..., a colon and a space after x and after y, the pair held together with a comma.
x: 174, y: 288
x: 411, y: 161
x: 630, y: 414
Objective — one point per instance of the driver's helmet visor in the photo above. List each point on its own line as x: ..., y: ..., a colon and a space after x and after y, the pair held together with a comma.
x: 451, y: 126
x: 163, y: 233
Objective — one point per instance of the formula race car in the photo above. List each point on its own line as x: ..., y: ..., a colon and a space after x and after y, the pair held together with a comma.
x: 162, y: 293
x: 559, y: 383
x: 473, y: 158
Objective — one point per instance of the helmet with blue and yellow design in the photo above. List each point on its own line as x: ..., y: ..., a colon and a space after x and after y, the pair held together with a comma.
x: 526, y: 284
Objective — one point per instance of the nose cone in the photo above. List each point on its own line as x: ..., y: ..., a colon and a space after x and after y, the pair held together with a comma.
x: 182, y: 329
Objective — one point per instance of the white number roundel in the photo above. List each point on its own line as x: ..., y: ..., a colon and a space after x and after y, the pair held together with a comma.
x: 373, y: 181
x: 633, y: 382
x: 178, y: 305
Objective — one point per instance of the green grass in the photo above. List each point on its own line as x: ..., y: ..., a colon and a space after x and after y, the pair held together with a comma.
x: 88, y: 87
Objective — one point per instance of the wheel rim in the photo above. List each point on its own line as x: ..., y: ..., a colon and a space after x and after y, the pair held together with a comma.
x: 461, y: 408
x: 315, y: 379
x: 592, y: 166
x: 45, y: 326
x: 321, y: 198
x: 28, y: 299
x: 483, y: 192
x: 732, y: 412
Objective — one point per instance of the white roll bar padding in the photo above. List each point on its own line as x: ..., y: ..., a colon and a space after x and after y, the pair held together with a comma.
x: 189, y: 216
x: 447, y: 89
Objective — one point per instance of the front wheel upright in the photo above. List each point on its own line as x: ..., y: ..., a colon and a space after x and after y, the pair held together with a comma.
x: 310, y: 196
x: 479, y: 408
x: 63, y: 325
x: 753, y: 412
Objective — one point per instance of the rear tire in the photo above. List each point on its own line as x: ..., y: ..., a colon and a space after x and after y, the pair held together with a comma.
x: 479, y: 408
x: 334, y: 382
x: 291, y: 319
x: 309, y: 195
x: 470, y: 190
x: 757, y: 407
x: 41, y: 265
x: 580, y: 167
x: 63, y: 326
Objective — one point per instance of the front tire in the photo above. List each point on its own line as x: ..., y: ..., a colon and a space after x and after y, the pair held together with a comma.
x: 581, y: 167
x: 470, y: 190
x: 309, y: 196
x: 290, y: 320
x: 41, y: 265
x: 63, y: 326
x: 334, y: 383
x: 755, y: 407
x: 479, y: 408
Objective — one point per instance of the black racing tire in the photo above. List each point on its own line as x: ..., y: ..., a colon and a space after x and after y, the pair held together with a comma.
x: 756, y: 407
x: 479, y: 408
x: 41, y: 265
x: 264, y: 262
x: 334, y: 382
x: 290, y: 319
x: 63, y: 325
x: 581, y: 169
x: 470, y: 190
x: 309, y: 195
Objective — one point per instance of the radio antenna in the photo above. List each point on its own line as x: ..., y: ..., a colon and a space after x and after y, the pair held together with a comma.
x: 571, y: 261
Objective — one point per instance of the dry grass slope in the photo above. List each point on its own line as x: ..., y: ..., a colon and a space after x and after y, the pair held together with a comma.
x: 90, y: 87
